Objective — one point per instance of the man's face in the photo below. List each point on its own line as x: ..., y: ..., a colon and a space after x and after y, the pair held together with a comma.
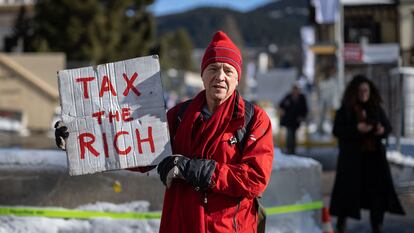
x: 295, y: 91
x: 220, y: 80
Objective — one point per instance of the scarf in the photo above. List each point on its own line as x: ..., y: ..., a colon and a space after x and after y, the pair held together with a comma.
x: 197, y: 138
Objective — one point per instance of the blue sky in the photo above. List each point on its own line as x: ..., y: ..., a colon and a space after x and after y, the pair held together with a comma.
x: 163, y: 7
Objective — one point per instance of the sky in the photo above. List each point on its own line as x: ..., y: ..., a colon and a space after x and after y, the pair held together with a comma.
x: 164, y: 7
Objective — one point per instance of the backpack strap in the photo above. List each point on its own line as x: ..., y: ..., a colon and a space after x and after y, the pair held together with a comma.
x: 181, y: 111
x: 240, y: 134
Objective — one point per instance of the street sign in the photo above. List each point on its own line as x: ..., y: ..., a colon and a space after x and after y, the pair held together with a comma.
x: 372, y: 53
x: 115, y: 115
x: 353, y: 53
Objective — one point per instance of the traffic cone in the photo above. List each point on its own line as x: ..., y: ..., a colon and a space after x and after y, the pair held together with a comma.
x: 326, y: 221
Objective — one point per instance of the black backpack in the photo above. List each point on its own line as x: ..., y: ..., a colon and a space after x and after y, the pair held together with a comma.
x: 240, y: 138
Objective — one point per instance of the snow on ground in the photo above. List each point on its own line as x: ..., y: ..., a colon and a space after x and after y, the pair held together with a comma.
x: 288, y: 161
x: 293, y: 222
x: 399, y: 158
x: 13, y: 224
x: 404, y: 141
x: 23, y: 157
x: 10, y: 125
x: 302, y: 222
x: 297, y: 222
x: 136, y: 206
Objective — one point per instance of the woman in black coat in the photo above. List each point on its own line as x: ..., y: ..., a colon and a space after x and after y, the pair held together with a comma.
x: 363, y: 178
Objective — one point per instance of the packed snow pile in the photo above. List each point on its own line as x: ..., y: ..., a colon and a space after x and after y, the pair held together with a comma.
x: 20, y: 157
x: 399, y: 158
x: 289, y: 161
x: 403, y: 140
x: 288, y: 187
x: 136, y: 206
x: 295, y: 222
x: 10, y: 224
x: 13, y: 224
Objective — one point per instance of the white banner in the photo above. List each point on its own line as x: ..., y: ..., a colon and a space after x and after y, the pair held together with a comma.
x: 326, y: 11
x: 115, y: 115
x: 366, y: 2
x: 308, y: 39
x: 380, y: 53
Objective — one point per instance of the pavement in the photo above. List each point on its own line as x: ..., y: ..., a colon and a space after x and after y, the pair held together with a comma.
x: 403, y: 180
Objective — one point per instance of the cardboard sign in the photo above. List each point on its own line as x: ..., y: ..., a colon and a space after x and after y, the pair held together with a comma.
x: 115, y: 114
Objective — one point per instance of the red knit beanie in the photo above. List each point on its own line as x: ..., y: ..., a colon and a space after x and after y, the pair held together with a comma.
x: 222, y: 49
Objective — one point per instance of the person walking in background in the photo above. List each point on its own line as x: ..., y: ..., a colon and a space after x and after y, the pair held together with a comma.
x: 363, y: 178
x: 293, y: 110
x: 214, y: 176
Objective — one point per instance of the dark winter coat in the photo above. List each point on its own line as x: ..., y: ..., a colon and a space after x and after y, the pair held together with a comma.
x: 362, y: 176
x: 294, y: 111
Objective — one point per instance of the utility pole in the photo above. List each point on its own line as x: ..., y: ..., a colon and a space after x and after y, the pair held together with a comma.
x: 339, y: 37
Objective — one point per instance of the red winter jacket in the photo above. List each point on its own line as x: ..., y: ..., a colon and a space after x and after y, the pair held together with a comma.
x: 228, y: 206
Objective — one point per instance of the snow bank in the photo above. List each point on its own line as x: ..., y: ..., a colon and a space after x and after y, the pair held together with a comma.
x: 294, y: 180
x: 12, y: 224
x: 291, y: 161
x: 301, y: 222
x: 135, y: 206
x: 43, y: 158
x: 400, y: 159
x: 405, y: 141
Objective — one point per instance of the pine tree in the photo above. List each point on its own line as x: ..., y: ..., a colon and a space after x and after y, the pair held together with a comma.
x: 176, y: 50
x: 21, y: 32
x: 231, y: 27
x: 96, y: 31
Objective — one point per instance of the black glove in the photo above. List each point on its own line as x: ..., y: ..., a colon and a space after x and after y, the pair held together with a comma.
x: 164, y: 167
x: 61, y: 134
x: 196, y: 172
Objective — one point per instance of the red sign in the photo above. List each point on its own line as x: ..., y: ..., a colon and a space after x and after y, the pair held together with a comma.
x: 353, y: 53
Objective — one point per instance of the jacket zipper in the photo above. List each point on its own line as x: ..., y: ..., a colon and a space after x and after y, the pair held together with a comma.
x: 234, y: 217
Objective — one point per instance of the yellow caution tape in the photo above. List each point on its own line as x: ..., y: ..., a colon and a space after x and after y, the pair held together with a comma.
x: 85, y: 214
x: 294, y: 208
x: 82, y: 214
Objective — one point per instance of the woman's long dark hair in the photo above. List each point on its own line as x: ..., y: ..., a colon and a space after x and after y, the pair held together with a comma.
x: 351, y: 95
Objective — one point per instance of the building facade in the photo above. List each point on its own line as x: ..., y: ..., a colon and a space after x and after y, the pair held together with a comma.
x: 28, y: 90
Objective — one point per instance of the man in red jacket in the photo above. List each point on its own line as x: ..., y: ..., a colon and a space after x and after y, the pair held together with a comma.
x: 212, y: 183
